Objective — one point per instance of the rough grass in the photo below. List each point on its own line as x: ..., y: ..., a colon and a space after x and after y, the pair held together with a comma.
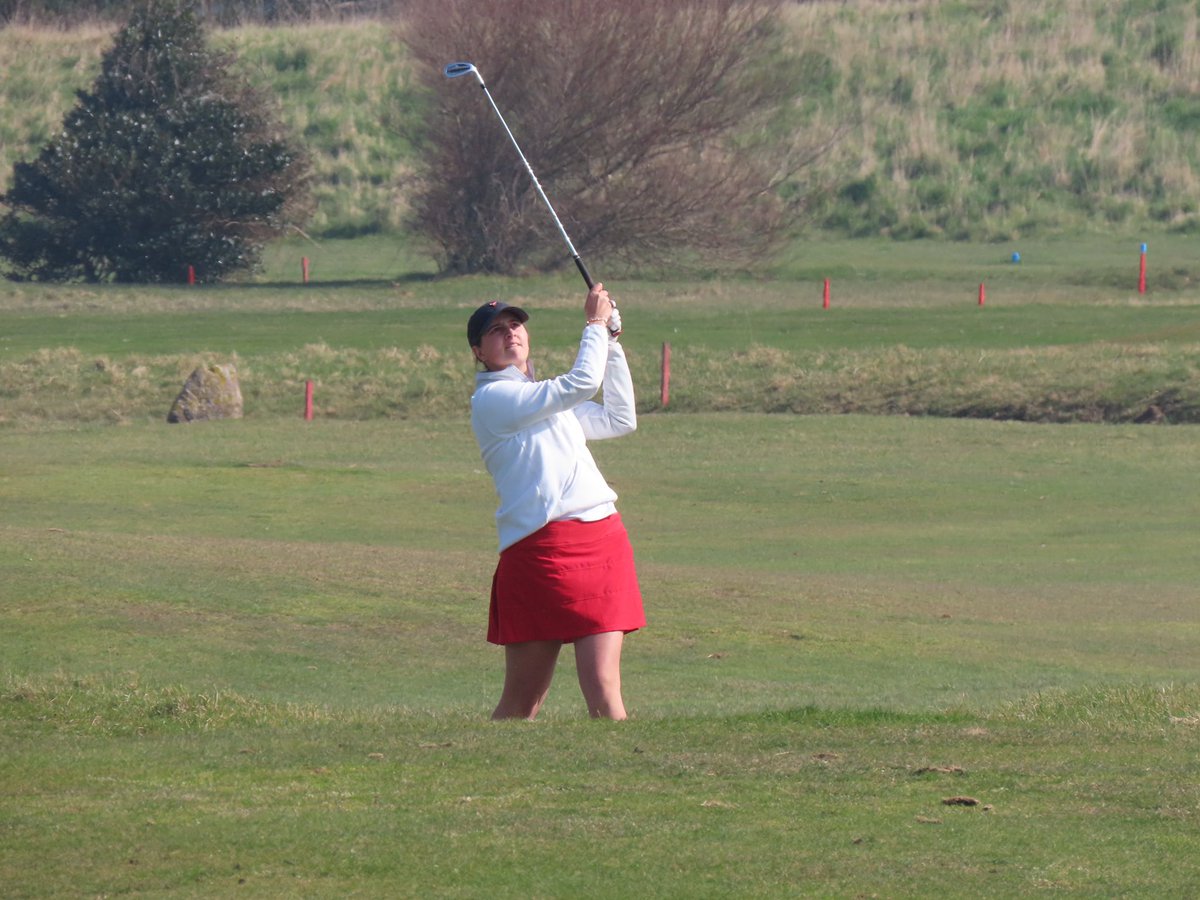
x: 1063, y: 337
x: 1143, y: 383
x: 1139, y: 383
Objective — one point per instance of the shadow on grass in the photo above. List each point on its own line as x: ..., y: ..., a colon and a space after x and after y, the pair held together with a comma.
x: 406, y: 278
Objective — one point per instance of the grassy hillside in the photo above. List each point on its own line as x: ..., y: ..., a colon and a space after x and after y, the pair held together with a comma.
x: 994, y: 118
x: 983, y: 120
x: 341, y: 88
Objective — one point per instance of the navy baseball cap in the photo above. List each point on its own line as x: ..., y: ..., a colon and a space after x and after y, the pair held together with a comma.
x: 481, y: 320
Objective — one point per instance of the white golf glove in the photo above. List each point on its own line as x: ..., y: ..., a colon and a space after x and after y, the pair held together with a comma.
x: 614, y: 324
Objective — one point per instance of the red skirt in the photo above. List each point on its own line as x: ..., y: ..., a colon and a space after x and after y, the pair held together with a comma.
x: 566, y: 581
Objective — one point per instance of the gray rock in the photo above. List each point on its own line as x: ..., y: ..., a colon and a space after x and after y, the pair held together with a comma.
x: 211, y: 392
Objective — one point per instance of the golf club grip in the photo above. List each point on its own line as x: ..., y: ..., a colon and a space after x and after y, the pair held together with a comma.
x: 584, y: 272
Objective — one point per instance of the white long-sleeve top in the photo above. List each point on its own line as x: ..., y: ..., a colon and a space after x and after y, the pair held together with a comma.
x: 533, y: 436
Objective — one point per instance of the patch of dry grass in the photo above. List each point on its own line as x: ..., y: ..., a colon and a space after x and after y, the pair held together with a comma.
x: 1111, y: 383
x: 1146, y: 382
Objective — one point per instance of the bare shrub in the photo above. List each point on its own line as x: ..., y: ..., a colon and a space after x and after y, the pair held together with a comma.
x: 652, y: 126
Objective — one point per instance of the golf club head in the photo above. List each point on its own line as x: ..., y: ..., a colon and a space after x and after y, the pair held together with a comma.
x: 455, y: 69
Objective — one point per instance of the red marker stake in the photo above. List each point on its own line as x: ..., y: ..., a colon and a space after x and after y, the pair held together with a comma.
x: 825, y: 301
x: 191, y: 274
x: 666, y: 374
x: 982, y: 294
x: 1142, y: 274
x: 308, y: 394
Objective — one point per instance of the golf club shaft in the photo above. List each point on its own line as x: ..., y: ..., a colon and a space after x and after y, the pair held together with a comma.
x: 537, y: 184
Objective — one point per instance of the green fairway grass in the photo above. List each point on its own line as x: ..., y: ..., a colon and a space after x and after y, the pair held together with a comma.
x: 900, y: 546
x: 719, y: 325
x: 249, y: 656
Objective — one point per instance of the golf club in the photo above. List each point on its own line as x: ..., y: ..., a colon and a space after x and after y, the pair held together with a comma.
x: 454, y: 70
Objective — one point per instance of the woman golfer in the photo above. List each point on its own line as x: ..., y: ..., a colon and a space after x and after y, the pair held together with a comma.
x: 566, y: 572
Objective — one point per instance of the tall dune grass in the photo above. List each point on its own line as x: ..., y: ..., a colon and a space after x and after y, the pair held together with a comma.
x: 343, y: 89
x: 971, y: 120
x: 991, y: 120
x: 42, y: 69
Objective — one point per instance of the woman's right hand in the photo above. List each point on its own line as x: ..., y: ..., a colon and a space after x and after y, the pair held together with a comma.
x: 598, y: 307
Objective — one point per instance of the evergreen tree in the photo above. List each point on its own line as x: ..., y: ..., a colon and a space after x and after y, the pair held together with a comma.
x: 169, y: 161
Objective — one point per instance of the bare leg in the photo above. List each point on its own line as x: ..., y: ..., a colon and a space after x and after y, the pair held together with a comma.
x: 528, y: 669
x: 598, y: 661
